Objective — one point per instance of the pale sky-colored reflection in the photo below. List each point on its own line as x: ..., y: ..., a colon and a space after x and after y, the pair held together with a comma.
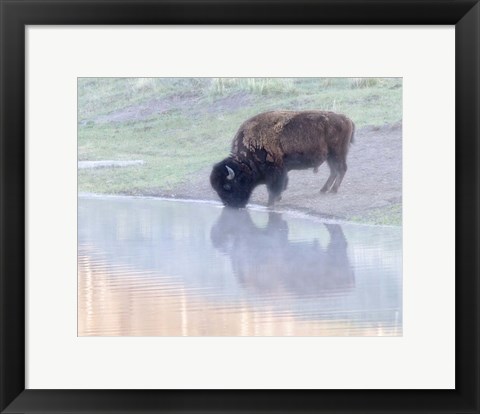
x: 169, y: 268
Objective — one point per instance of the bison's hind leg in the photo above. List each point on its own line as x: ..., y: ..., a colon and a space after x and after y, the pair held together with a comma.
x: 341, y: 170
x: 338, y: 168
x: 333, y: 174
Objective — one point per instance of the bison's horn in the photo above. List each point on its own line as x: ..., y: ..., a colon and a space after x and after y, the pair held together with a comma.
x: 231, y: 174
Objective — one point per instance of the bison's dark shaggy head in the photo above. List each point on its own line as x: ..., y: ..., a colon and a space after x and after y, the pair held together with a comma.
x: 233, y: 181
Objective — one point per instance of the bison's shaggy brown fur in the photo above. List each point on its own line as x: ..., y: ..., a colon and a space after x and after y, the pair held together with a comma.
x: 270, y: 144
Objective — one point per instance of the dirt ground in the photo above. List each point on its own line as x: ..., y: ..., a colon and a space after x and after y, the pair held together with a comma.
x: 372, y: 184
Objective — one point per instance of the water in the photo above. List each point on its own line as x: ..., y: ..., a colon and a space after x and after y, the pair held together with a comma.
x: 149, y: 267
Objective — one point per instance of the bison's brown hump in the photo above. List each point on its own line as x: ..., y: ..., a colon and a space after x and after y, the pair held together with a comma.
x: 262, y: 132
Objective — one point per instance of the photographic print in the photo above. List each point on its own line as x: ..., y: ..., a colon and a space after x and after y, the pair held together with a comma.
x: 240, y: 207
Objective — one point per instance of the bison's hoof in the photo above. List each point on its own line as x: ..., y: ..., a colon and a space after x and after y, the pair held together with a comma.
x: 315, y: 170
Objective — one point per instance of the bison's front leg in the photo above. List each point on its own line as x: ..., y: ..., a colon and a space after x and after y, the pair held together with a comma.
x: 276, y: 183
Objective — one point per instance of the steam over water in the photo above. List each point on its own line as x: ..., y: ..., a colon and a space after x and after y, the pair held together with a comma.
x: 149, y: 267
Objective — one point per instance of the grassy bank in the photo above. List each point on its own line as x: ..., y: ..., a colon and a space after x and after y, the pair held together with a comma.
x: 385, y: 216
x: 179, y: 126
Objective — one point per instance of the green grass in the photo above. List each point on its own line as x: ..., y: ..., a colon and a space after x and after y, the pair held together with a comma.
x: 385, y: 216
x: 181, y: 125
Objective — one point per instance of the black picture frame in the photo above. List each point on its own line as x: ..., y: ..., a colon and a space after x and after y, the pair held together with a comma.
x: 16, y: 14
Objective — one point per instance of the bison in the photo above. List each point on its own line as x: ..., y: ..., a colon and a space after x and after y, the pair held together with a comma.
x: 270, y: 144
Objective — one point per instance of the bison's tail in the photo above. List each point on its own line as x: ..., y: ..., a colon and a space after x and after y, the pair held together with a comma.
x: 352, y: 137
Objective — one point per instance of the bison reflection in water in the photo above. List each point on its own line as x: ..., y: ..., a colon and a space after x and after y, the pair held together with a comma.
x: 270, y: 144
x: 264, y: 260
